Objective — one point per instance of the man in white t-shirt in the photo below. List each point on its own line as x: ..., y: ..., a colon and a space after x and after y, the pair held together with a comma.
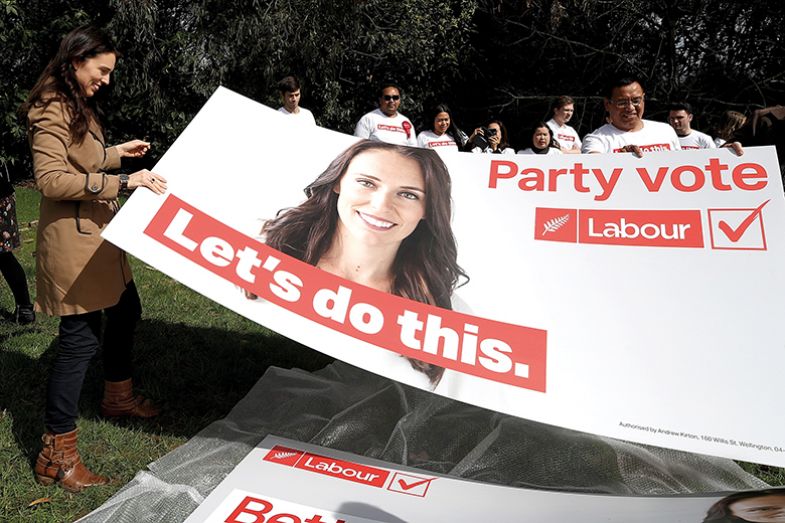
x: 680, y: 118
x: 386, y: 124
x: 628, y: 131
x: 289, y: 87
x: 562, y: 109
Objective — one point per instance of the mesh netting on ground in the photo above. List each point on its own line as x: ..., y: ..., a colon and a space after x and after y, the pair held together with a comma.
x: 349, y: 409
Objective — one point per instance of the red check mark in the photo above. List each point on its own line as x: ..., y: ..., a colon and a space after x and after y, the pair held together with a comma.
x: 735, y: 235
x: 409, y: 486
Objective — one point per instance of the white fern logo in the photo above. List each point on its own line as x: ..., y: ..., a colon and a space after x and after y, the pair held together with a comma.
x: 284, y: 455
x: 555, y: 224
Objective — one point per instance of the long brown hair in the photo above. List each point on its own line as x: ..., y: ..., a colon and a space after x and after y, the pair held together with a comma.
x: 730, y: 123
x: 58, y: 80
x: 425, y: 268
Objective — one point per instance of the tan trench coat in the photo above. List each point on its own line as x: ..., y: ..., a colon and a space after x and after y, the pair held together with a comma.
x: 76, y: 270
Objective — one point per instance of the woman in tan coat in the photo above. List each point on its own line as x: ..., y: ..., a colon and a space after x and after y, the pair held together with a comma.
x: 79, y: 276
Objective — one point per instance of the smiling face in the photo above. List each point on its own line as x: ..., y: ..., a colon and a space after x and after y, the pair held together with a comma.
x: 625, y: 107
x: 381, y: 199
x: 389, y: 101
x: 441, y: 123
x: 563, y: 114
x: 93, y: 73
x: 291, y: 100
x: 761, y: 509
x: 541, y: 138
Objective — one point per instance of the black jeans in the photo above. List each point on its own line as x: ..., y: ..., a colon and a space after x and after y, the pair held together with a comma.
x: 14, y: 274
x: 80, y: 338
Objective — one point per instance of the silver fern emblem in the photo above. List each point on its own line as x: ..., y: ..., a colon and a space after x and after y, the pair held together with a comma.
x: 555, y: 224
x: 284, y: 455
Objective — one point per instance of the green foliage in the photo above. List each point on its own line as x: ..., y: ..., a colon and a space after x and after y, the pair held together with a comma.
x: 340, y: 50
x: 12, y: 32
x: 29, y: 33
x: 716, y: 54
x: 485, y: 58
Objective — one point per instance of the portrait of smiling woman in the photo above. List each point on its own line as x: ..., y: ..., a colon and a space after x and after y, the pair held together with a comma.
x: 379, y: 215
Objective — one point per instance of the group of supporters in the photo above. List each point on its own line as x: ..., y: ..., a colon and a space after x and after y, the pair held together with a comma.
x: 625, y: 130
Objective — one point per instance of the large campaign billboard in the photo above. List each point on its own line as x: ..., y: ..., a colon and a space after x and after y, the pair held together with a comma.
x: 637, y: 298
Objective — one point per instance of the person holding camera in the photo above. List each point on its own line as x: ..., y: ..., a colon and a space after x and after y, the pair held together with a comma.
x: 490, y: 139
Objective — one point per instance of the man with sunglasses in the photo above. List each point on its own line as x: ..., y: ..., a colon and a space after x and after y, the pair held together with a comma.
x: 386, y: 124
x: 627, y: 131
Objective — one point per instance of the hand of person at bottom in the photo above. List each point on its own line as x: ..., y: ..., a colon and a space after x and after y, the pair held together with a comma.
x: 634, y: 149
x: 145, y: 178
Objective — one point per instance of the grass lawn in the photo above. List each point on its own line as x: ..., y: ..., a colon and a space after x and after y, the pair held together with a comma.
x: 195, y: 356
x: 192, y: 354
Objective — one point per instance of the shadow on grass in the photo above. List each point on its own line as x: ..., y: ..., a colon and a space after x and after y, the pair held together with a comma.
x: 196, y: 374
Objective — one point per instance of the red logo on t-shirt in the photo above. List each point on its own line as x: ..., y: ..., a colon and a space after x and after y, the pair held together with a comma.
x: 441, y: 144
x: 649, y: 148
x: 407, y: 128
x: 391, y: 128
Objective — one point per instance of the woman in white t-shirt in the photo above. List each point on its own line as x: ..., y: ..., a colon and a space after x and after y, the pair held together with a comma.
x: 444, y: 134
x: 542, y: 141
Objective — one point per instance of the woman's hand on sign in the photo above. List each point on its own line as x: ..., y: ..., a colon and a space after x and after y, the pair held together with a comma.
x: 145, y: 178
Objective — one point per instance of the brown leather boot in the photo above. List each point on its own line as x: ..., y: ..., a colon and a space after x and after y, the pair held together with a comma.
x: 120, y: 400
x: 59, y: 461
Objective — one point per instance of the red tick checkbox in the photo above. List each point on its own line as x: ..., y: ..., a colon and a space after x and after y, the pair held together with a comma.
x: 738, y: 229
x: 410, y: 484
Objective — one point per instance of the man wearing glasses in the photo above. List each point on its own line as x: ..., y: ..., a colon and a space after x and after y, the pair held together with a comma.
x: 627, y: 131
x: 386, y: 124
